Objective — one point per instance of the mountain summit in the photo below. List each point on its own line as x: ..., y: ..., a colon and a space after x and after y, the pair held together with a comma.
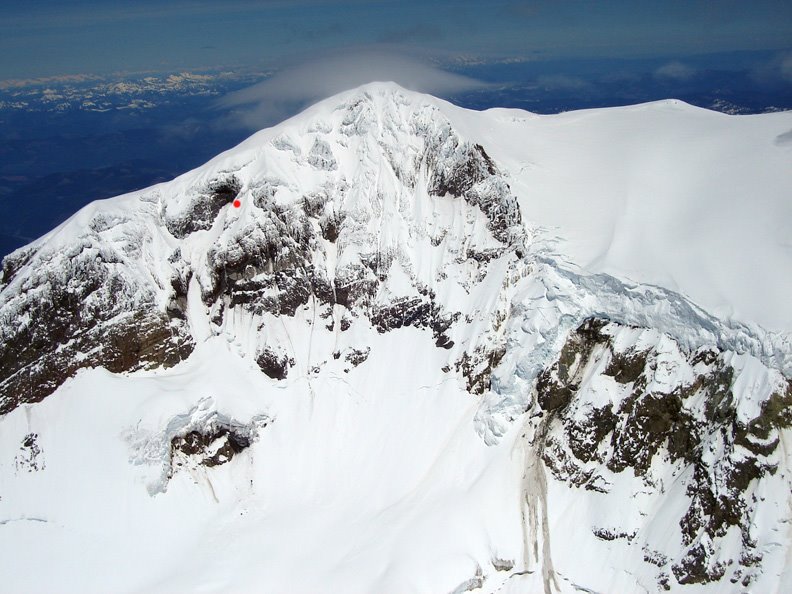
x: 393, y: 345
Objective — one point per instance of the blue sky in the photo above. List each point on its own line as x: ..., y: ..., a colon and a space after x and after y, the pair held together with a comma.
x: 56, y: 37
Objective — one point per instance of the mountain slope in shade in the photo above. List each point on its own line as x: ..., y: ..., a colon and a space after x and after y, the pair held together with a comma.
x: 382, y: 371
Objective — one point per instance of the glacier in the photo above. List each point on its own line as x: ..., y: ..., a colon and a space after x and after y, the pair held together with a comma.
x: 432, y: 350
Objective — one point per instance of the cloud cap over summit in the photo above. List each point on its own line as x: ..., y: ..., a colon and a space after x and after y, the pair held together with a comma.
x: 309, y: 80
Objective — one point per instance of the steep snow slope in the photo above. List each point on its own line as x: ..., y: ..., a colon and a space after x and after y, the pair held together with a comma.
x: 666, y: 193
x: 380, y: 374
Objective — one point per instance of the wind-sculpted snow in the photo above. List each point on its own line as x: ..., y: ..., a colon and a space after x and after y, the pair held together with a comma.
x: 376, y: 366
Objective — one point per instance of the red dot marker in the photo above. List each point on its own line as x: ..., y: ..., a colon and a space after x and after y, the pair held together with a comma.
x: 237, y: 204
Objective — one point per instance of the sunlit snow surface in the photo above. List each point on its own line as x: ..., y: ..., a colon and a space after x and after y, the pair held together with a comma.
x: 666, y: 193
x: 389, y: 476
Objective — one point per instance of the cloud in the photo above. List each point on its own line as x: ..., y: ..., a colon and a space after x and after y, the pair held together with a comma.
x: 674, y: 71
x: 308, y: 81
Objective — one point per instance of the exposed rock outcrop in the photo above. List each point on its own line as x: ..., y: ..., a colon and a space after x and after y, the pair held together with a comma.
x: 676, y: 413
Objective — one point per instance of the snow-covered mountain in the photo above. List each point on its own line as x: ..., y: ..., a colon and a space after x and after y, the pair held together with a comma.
x: 392, y: 345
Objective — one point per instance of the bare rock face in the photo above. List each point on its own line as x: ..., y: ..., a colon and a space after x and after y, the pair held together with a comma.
x: 676, y: 410
x: 274, y: 364
x: 211, y: 448
x: 77, y: 308
x: 321, y: 156
x: 30, y: 457
x: 204, y: 206
x: 467, y: 171
x: 420, y: 312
